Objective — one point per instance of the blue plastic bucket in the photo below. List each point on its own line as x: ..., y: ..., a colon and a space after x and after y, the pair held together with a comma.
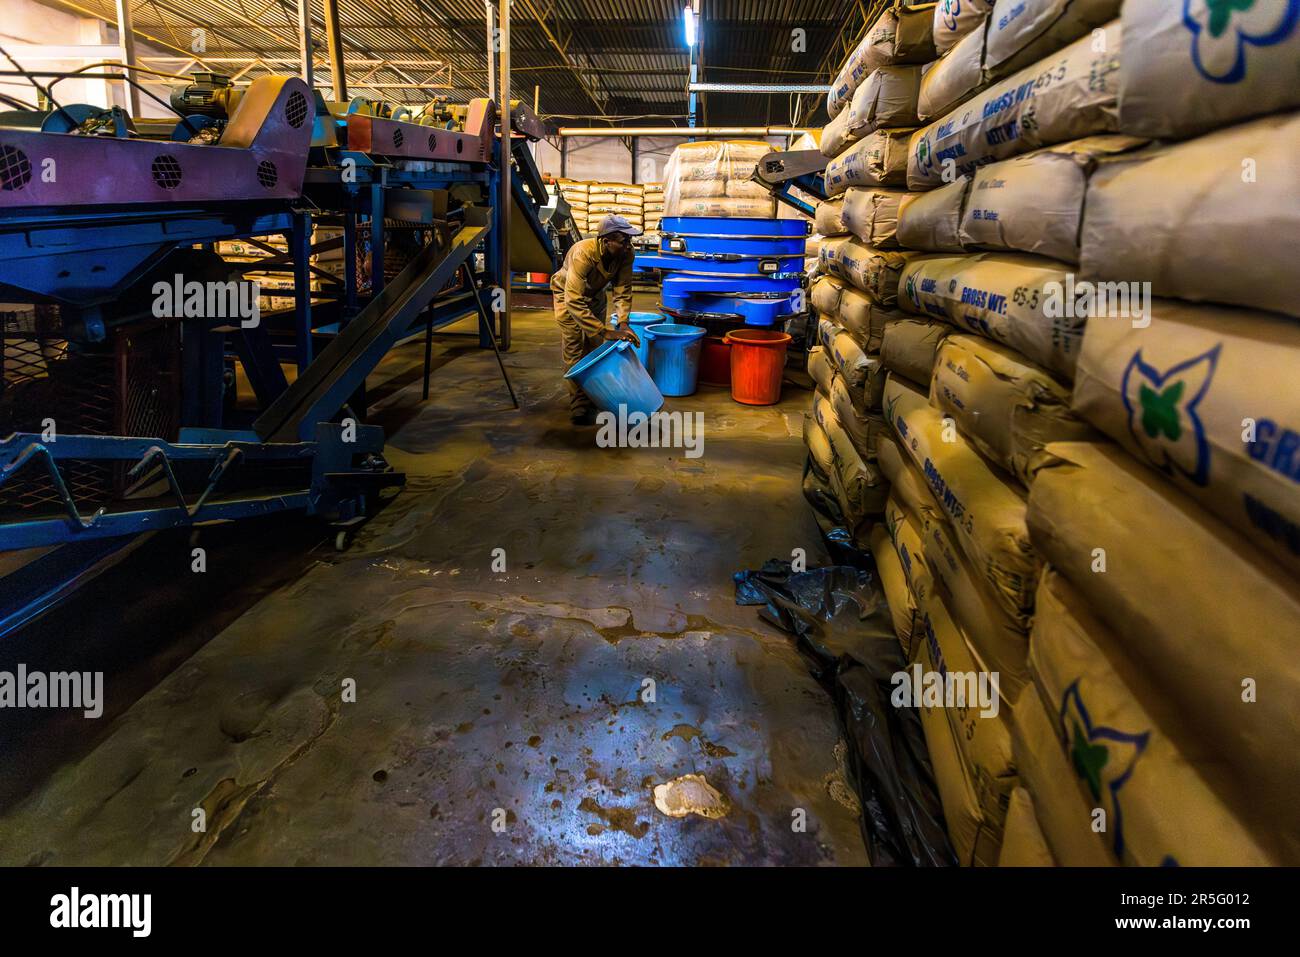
x: 612, y: 376
x: 675, y: 356
x: 638, y: 321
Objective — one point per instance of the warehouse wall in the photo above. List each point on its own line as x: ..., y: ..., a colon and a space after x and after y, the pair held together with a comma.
x: 652, y: 154
x: 28, y: 22
x: 607, y: 158
x: 595, y: 159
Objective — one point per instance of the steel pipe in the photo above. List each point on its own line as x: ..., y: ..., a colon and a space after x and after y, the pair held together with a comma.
x: 126, y: 39
x: 680, y: 131
x: 491, y: 50
x: 334, y: 44
x: 306, y: 69
x: 506, y: 199
x: 759, y: 87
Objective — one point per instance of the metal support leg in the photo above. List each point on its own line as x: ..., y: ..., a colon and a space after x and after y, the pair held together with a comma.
x: 428, y: 354
x: 334, y: 42
x: 300, y: 253
x: 126, y: 43
x: 483, y: 324
x: 492, y: 248
x: 376, y: 239
x: 507, y: 192
x: 202, y: 355
x: 349, y: 266
x: 358, y: 400
x: 305, y: 46
x: 253, y: 346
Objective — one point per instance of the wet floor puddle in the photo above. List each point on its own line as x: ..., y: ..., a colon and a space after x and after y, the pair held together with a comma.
x: 689, y: 732
x: 615, y: 818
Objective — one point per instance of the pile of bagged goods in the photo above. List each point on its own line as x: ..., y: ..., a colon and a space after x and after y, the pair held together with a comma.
x: 715, y: 180
x: 1056, y: 400
x: 652, y: 206
x: 641, y: 204
x: 274, y: 287
x: 709, y: 181
x: 712, y: 275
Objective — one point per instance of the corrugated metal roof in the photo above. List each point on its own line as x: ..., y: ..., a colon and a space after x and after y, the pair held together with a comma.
x: 589, y: 57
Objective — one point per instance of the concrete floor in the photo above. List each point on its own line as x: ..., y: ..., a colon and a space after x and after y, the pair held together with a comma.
x: 482, y: 697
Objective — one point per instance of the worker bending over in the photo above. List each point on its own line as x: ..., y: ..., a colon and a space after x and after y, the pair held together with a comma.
x: 590, y: 266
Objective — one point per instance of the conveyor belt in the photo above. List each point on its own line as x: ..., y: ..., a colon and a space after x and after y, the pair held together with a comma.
x: 342, y: 367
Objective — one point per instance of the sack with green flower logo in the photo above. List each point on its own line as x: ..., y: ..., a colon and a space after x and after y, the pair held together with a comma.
x: 1199, y: 395
x: 1207, y: 63
x: 1165, y: 800
x: 1207, y: 616
x: 1064, y: 816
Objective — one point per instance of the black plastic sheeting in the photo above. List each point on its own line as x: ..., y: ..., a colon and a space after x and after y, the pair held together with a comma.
x: 830, y: 520
x: 839, y: 617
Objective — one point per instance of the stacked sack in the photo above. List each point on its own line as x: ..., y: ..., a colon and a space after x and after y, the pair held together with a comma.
x: 873, y: 102
x: 652, y: 206
x: 1171, y: 597
x: 812, y: 246
x: 975, y: 385
x: 1104, y: 598
x: 715, y: 179
x: 275, y: 287
x: 575, y: 194
x: 641, y: 205
x: 854, y: 289
x: 846, y: 424
x: 854, y: 285
x: 622, y: 199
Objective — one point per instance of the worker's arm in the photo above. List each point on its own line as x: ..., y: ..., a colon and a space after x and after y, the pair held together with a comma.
x: 621, y: 287
x: 576, y: 299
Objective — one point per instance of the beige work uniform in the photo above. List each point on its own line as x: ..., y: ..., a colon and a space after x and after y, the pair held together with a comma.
x: 578, y: 291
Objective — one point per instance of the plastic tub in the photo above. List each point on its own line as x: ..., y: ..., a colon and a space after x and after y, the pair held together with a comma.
x: 674, y: 356
x: 757, y: 365
x: 715, y: 361
x: 637, y: 321
x: 612, y: 376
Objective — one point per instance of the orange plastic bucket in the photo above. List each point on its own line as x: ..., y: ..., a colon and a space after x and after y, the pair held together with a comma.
x: 757, y: 364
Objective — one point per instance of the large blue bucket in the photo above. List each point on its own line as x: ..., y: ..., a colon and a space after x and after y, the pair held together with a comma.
x: 675, y: 356
x: 638, y: 321
x: 613, y: 376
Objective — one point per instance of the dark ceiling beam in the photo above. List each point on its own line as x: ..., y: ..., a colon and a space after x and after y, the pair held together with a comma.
x: 472, y: 31
x: 563, y: 51
x: 581, y: 62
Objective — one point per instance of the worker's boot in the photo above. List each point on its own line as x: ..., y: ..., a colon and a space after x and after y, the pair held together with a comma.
x: 582, y: 415
x: 581, y: 411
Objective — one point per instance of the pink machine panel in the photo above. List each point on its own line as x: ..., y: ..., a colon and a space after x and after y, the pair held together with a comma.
x: 263, y: 153
x: 384, y: 137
